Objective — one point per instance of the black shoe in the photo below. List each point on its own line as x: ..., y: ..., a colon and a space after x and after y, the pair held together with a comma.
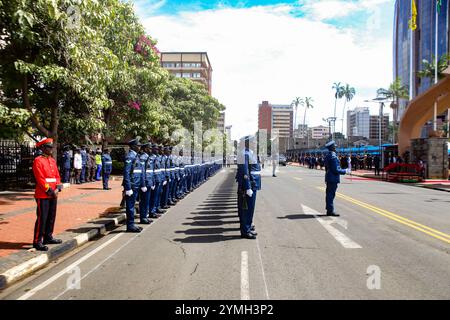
x: 172, y: 203
x: 40, y: 247
x: 106, y: 188
x: 254, y: 233
x: 134, y: 229
x: 154, y: 216
x: 145, y: 221
x: 166, y: 207
x: 253, y: 228
x: 248, y: 236
x: 274, y: 176
x: 333, y: 214
x: 53, y: 241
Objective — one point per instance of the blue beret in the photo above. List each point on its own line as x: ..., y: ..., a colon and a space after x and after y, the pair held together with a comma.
x: 134, y: 142
x: 330, y: 144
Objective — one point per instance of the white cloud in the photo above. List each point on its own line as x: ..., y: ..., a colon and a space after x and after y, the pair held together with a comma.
x: 264, y: 54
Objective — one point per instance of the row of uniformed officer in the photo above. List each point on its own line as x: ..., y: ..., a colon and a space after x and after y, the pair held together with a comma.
x: 159, y: 179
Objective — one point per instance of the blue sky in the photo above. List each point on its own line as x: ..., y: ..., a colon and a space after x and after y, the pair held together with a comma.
x: 275, y: 51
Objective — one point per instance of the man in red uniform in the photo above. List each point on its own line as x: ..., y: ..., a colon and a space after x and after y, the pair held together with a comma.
x: 48, y: 184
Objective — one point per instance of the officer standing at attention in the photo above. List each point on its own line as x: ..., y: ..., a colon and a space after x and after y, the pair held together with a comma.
x: 332, y: 177
x: 106, y: 166
x: 133, y: 181
x: 149, y: 184
x: 248, y: 177
x: 48, y: 184
x: 83, y: 164
x: 66, y: 164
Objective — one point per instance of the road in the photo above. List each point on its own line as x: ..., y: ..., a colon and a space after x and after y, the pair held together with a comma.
x: 391, y: 242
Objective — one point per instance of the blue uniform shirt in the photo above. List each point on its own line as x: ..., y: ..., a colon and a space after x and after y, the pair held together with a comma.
x: 248, y: 174
x: 148, y: 165
x: 66, y: 160
x: 133, y: 176
x: 333, y: 169
x: 106, y: 163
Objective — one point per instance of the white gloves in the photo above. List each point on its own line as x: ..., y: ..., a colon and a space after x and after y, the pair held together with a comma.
x: 164, y: 183
x: 250, y: 193
x: 153, y: 188
x: 144, y: 189
x: 129, y: 193
x: 348, y: 171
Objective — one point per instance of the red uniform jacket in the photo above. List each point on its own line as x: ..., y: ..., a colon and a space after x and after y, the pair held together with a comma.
x: 46, y: 174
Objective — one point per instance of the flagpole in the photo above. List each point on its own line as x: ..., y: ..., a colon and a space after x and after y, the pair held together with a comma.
x: 411, y: 60
x: 436, y: 64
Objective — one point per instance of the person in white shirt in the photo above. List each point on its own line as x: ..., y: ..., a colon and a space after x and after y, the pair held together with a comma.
x: 77, y: 165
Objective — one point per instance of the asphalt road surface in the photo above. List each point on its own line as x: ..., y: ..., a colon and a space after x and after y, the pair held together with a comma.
x: 391, y: 242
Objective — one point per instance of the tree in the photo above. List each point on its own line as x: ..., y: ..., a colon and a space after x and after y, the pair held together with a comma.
x: 348, y: 93
x: 308, y: 105
x: 338, y: 94
x: 295, y: 103
x: 395, y: 92
x: 429, y: 68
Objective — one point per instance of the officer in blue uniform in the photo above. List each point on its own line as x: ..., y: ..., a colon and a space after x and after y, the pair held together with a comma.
x: 162, y: 162
x: 173, y: 177
x: 332, y: 177
x: 83, y: 164
x: 133, y: 181
x: 106, y: 168
x: 66, y: 160
x: 155, y: 196
x: 149, y: 183
x: 248, y: 177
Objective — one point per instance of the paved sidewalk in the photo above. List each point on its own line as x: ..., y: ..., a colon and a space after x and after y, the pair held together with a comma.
x: 76, y: 206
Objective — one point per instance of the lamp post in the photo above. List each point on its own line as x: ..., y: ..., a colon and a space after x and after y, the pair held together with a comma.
x: 330, y: 120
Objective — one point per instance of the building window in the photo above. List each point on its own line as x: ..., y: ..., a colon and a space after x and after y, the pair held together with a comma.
x: 168, y: 65
x: 178, y: 74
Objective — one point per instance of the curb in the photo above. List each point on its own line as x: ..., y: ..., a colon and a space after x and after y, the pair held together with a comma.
x: 19, y: 265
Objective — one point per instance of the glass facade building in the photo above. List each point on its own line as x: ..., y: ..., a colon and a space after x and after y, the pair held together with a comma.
x: 423, y: 39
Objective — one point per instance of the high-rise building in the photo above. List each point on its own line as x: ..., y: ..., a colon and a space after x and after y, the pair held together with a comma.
x: 375, y: 128
x: 319, y: 133
x: 423, y: 39
x: 276, y: 117
x: 190, y: 65
x: 358, y: 122
x: 221, y: 122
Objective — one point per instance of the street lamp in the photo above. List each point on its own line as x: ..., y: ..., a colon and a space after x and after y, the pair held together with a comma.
x: 381, y: 101
x: 330, y: 120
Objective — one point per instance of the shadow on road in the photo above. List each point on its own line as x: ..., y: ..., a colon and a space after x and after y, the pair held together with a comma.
x: 211, y: 222
x: 301, y: 216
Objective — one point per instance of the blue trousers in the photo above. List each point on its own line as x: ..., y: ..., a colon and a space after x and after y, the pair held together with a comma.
x: 105, y: 178
x: 246, y: 210
x: 130, y: 202
x: 66, y: 175
x: 99, y: 171
x: 144, y: 203
x: 330, y: 195
x: 155, y: 197
x: 83, y: 173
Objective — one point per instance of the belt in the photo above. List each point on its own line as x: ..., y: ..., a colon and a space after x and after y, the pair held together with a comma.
x: 137, y: 171
x: 150, y: 171
x: 158, y: 170
x: 50, y: 180
x: 109, y: 162
x: 255, y: 172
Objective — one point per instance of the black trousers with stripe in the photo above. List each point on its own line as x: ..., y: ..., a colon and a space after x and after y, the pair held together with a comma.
x: 45, y: 222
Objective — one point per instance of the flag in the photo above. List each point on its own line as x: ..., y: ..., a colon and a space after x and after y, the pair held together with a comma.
x: 439, y: 5
x: 413, y: 21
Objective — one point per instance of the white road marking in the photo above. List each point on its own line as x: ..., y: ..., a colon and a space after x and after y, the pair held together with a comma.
x: 262, y: 270
x: 245, y: 286
x: 345, y: 241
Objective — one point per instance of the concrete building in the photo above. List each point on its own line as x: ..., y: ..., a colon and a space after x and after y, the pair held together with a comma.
x: 276, y: 117
x: 301, y: 131
x: 358, y: 122
x: 375, y: 129
x: 221, y: 122
x: 319, y: 133
x: 192, y: 65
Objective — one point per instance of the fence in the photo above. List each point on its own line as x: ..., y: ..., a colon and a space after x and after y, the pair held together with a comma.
x: 16, y: 161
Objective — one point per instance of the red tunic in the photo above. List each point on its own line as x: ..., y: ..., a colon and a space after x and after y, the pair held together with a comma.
x: 46, y: 174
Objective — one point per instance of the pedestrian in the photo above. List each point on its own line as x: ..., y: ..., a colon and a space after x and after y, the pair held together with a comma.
x: 332, y: 177
x: 66, y: 160
x: 83, y: 164
x: 133, y: 181
x: 106, y: 167
x: 376, y: 164
x: 89, y: 165
x: 48, y: 185
x: 248, y: 178
x: 275, y: 159
x: 99, y: 164
x: 77, y: 165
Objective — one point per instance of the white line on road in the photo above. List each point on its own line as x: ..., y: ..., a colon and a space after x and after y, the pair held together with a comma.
x: 262, y: 270
x: 245, y: 286
x: 345, y: 241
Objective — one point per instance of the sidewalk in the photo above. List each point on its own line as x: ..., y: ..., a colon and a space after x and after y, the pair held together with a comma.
x: 77, y: 221
x: 441, y: 185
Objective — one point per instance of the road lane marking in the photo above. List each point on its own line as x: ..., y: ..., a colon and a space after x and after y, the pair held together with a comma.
x: 345, y: 241
x: 299, y: 179
x: 245, y: 286
x: 44, y: 284
x: 407, y: 222
x: 262, y: 270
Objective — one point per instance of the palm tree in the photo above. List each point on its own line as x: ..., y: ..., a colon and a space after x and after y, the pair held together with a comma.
x: 308, y: 105
x: 295, y: 103
x: 348, y: 93
x: 395, y: 92
x: 337, y: 95
x: 429, y: 69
